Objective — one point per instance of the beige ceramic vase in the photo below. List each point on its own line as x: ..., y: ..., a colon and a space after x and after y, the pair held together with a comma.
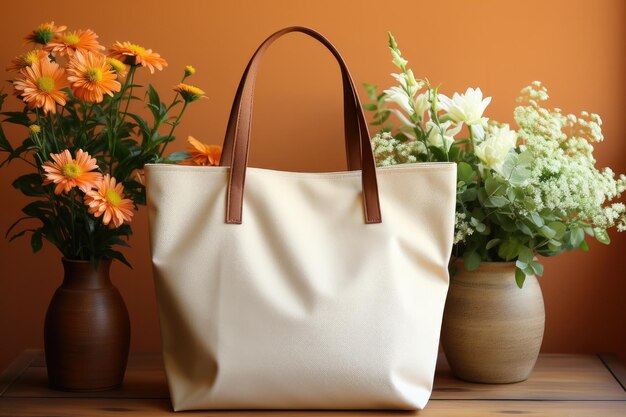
x: 492, y: 330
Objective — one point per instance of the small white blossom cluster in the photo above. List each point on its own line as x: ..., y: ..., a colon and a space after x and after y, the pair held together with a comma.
x: 534, y: 93
x: 462, y: 228
x: 390, y: 151
x: 564, y: 178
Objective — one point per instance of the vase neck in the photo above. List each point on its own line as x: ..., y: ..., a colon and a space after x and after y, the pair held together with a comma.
x: 81, y: 275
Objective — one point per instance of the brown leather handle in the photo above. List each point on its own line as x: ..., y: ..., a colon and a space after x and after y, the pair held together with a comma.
x: 351, y: 127
x: 237, y: 137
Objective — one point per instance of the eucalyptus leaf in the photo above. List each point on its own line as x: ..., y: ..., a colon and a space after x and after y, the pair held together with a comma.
x: 509, y: 250
x: 520, y: 277
x: 492, y: 243
x: 547, y: 232
x: 536, y: 219
x: 464, y: 172
x: 602, y: 236
x: 525, y: 254
x: 496, y: 201
x: 537, y: 268
x: 523, y: 227
x: 177, y: 156
x: 471, y: 259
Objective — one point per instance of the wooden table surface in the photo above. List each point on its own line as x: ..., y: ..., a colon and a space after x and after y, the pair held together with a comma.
x: 561, y: 385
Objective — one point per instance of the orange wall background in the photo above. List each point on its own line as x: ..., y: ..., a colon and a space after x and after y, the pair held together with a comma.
x: 577, y: 48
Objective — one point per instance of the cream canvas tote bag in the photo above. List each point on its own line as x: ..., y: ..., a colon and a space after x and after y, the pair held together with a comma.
x: 289, y: 290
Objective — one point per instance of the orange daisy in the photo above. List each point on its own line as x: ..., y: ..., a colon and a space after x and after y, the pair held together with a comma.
x: 108, y: 201
x: 202, y: 154
x: 133, y: 54
x: 118, y: 67
x: 68, y: 43
x: 41, y: 85
x: 91, y: 77
x: 189, y: 93
x: 68, y: 173
x: 27, y: 59
x: 44, y: 33
x: 189, y: 70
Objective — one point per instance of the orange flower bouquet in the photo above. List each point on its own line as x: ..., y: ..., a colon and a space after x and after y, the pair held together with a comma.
x: 86, y: 148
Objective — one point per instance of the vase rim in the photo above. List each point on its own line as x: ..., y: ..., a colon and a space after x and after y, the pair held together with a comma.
x: 82, y: 261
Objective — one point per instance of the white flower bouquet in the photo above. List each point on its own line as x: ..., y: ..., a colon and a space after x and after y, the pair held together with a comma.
x: 520, y: 193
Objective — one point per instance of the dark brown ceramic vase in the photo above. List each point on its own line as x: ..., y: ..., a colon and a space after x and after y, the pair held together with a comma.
x: 87, y: 330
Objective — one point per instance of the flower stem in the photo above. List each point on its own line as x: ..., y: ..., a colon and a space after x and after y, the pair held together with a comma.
x: 130, y: 80
x: 51, y: 128
x: 83, y: 131
x: 73, y: 222
x: 177, y: 94
x: 120, y: 118
x: 174, y: 124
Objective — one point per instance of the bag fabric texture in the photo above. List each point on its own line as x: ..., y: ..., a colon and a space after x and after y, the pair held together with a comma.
x: 308, y: 290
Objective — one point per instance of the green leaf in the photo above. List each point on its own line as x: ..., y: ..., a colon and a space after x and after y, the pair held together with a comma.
x: 515, y: 168
x: 537, y: 268
x: 520, y: 277
x: 383, y: 119
x: 35, y: 241
x: 547, y: 232
x: 392, y: 41
x: 537, y: 219
x: 602, y: 236
x: 381, y: 112
x: 478, y: 225
x: 439, y: 153
x: 19, y: 234
x: 30, y: 185
x: 496, y: 201
x: 5, y: 145
x: 576, y: 237
x: 583, y: 246
x: 492, y: 186
x: 555, y: 243
x: 371, y: 90
x: 153, y: 96
x: 559, y: 228
x: 119, y: 256
x: 523, y: 227
x: 177, y: 156
x: 464, y: 172
x: 37, y: 209
x: 15, y: 223
x: 471, y: 260
x: 157, y: 108
x: 506, y: 223
x: 492, y: 243
x: 370, y: 106
x: 469, y: 195
x: 508, y: 250
x: 454, y: 153
x: 16, y: 117
x: 118, y: 241
x: 525, y: 254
